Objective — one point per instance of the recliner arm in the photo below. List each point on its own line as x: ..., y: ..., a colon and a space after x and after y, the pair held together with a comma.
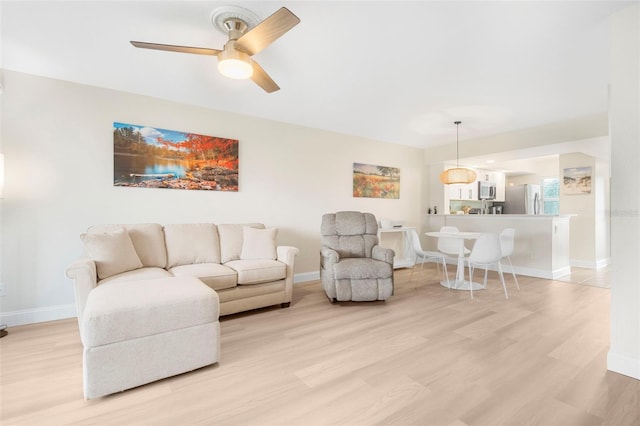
x: 383, y: 254
x: 328, y: 257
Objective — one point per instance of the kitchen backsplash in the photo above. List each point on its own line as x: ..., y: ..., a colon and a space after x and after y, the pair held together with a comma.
x: 465, y: 205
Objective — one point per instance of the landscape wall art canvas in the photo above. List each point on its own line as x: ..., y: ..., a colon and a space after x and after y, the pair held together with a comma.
x: 150, y: 157
x: 375, y: 181
x: 577, y: 181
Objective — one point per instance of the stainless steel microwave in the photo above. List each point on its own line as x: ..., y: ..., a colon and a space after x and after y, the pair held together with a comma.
x: 486, y: 190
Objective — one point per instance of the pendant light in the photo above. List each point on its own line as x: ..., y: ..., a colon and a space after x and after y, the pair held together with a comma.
x: 458, y: 174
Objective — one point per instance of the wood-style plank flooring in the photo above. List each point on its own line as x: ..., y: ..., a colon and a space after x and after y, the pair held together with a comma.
x: 428, y: 356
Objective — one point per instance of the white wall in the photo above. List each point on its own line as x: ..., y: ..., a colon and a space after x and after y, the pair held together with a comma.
x: 535, y: 179
x: 624, y: 110
x: 589, y: 228
x: 546, y: 167
x: 602, y: 186
x: 58, y: 143
x: 588, y: 130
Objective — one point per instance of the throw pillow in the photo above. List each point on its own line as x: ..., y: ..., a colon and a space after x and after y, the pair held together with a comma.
x: 258, y: 243
x: 113, y: 252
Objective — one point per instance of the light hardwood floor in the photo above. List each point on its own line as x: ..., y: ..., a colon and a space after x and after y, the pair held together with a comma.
x: 428, y: 356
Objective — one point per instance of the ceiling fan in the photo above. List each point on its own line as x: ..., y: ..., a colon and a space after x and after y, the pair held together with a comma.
x: 234, y: 60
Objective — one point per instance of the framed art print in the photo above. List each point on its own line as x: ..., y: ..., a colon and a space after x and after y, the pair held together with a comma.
x: 375, y: 181
x: 150, y: 157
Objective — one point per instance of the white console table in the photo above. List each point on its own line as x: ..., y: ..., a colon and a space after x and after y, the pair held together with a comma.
x: 399, y: 240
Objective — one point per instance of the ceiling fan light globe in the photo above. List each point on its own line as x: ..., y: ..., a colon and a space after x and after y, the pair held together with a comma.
x: 235, y: 68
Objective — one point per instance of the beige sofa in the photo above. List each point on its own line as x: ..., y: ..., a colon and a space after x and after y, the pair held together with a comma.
x: 145, y: 296
x: 247, y: 272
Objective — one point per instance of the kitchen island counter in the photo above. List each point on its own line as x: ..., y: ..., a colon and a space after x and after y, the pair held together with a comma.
x: 541, y: 241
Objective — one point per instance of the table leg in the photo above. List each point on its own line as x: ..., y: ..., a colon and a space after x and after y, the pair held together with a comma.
x: 460, y: 283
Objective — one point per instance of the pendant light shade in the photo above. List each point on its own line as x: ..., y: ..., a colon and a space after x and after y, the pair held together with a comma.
x: 457, y: 174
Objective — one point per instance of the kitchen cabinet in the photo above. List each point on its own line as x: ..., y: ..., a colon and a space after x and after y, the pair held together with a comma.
x: 454, y: 191
x: 469, y: 192
x: 463, y: 191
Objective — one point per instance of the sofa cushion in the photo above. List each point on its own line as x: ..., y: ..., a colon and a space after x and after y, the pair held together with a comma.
x: 231, y: 237
x: 216, y: 276
x: 362, y: 268
x: 258, y: 271
x: 120, y: 311
x: 191, y: 243
x: 258, y: 243
x: 138, y: 274
x: 113, y: 252
x: 147, y: 238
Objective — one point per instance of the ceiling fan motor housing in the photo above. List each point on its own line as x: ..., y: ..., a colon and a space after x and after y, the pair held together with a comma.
x: 222, y: 16
x: 236, y: 28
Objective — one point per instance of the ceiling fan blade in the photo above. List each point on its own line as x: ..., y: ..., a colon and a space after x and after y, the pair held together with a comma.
x: 267, y: 31
x: 173, y: 48
x: 262, y: 79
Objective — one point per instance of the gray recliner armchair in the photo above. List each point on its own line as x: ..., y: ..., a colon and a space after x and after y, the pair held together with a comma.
x: 352, y: 264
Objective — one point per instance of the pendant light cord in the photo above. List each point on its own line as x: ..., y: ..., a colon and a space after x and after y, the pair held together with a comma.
x: 457, y: 123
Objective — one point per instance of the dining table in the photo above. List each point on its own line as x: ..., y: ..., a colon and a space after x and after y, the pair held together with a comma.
x: 460, y: 283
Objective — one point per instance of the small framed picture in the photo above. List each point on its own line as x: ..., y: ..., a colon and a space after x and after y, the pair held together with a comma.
x: 576, y: 181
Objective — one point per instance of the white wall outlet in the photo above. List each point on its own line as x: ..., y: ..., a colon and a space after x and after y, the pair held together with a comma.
x: 2, y: 291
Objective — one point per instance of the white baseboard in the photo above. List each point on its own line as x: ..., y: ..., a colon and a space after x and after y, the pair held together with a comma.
x: 598, y: 264
x: 538, y: 273
x: 31, y: 316
x: 306, y: 277
x: 623, y: 365
x: 530, y: 272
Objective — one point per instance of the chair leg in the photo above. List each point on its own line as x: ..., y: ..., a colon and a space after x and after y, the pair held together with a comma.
x: 446, y: 273
x: 414, y: 267
x: 471, y: 279
x: 486, y: 270
x: 502, y: 279
x: 513, y: 272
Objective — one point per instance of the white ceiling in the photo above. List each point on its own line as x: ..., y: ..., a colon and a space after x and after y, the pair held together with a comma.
x: 393, y: 71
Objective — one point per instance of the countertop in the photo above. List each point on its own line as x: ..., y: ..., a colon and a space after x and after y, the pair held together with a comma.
x: 507, y: 216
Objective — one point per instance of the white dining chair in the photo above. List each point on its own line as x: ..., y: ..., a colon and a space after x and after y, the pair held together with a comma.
x: 507, y: 246
x: 425, y: 255
x: 486, y: 251
x: 451, y: 246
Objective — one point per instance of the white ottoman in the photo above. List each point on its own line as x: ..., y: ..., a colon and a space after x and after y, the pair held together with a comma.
x: 136, y: 332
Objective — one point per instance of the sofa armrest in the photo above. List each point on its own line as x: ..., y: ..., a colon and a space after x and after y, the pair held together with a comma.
x: 287, y: 255
x: 85, y: 278
x: 383, y: 254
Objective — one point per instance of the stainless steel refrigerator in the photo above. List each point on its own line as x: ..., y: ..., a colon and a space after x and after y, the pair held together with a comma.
x: 522, y: 199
